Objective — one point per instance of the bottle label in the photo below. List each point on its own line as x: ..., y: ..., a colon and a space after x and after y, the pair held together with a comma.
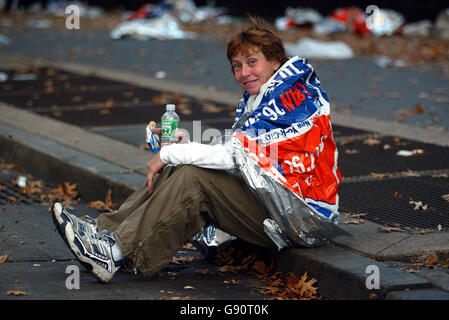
x: 169, y: 128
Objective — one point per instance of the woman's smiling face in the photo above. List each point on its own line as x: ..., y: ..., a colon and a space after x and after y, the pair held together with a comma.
x: 252, y: 69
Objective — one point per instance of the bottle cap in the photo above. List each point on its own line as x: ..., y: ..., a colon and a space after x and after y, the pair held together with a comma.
x: 170, y: 107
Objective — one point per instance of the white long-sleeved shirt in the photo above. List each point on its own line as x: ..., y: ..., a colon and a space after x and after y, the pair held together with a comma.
x: 217, y: 156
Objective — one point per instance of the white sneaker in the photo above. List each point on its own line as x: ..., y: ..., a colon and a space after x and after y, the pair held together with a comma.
x: 99, y: 252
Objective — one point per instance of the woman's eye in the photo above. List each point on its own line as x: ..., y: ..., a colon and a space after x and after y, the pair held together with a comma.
x: 252, y: 62
x: 236, y: 67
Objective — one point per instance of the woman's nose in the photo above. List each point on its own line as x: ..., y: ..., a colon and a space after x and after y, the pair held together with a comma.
x: 245, y: 71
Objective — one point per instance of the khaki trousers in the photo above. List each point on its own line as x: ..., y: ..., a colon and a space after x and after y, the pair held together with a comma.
x: 152, y: 228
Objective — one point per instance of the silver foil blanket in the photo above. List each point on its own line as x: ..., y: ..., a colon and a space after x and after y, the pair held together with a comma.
x: 293, y: 222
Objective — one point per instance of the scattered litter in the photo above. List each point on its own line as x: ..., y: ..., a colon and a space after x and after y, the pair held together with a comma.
x: 384, y: 62
x: 328, y: 26
x: 354, y: 19
x: 310, y: 48
x: 3, y: 77
x: 409, y: 153
x: 22, y: 181
x: 420, y: 28
x: 439, y: 227
x: 418, y: 205
x: 4, y: 40
x: 387, y: 23
x: 16, y: 293
x: 389, y: 229
x: 160, y: 74
x: 445, y: 197
x: 442, y: 24
x: 189, y: 287
x: 295, y: 17
x: 165, y: 27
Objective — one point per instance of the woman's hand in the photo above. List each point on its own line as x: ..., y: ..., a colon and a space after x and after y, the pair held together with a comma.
x: 181, y: 134
x: 154, y: 167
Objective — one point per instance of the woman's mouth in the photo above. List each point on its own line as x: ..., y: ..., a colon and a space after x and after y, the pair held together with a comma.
x: 249, y: 83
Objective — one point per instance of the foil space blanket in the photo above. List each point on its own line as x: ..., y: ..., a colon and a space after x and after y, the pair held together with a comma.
x: 285, y: 151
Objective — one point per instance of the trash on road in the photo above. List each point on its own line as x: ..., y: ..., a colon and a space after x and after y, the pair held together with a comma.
x: 4, y: 40
x: 295, y: 17
x: 442, y: 24
x: 165, y: 27
x: 409, y: 153
x: 310, y: 48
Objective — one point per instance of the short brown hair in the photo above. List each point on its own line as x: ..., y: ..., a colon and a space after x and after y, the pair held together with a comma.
x: 258, y: 35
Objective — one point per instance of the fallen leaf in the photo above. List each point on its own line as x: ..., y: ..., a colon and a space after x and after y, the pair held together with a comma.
x: 3, y: 259
x: 203, y: 271
x: 389, y: 229
x: 418, y: 205
x: 351, y: 151
x: 445, y: 197
x: 16, y: 293
x: 182, y: 260
x: 371, y: 141
x: 379, y: 175
x: 107, y: 205
x: 354, y: 221
x: 431, y: 260
x: 418, y: 109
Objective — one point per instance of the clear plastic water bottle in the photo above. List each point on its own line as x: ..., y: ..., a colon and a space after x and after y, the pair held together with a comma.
x: 170, y: 124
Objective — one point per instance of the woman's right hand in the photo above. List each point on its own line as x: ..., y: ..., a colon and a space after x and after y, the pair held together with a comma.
x: 181, y: 135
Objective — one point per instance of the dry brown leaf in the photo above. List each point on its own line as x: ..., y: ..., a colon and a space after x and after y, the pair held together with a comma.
x: 371, y: 141
x: 389, y: 229
x: 182, y: 260
x: 418, y: 205
x: 431, y: 260
x: 189, y: 246
x: 351, y: 151
x: 16, y: 293
x: 107, y: 205
x: 445, y: 197
x: 203, y: 271
x: 379, y: 175
x: 259, y: 266
x: 3, y: 259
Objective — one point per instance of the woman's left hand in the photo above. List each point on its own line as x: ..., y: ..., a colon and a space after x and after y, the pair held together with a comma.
x: 154, y: 167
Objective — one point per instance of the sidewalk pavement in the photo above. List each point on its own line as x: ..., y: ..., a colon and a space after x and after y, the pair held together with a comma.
x: 344, y: 266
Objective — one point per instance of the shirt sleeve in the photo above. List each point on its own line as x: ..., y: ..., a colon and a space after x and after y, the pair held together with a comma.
x: 217, y: 156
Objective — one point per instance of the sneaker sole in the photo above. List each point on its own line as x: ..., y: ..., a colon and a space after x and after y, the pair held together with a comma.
x: 99, y: 272
x: 67, y: 233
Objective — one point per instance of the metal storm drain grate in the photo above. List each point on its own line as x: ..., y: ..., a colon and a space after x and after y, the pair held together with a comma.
x: 358, y: 158
x: 92, y: 101
x: 10, y: 194
x: 410, y: 203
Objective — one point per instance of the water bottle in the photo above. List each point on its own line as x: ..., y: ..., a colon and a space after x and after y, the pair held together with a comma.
x: 170, y: 124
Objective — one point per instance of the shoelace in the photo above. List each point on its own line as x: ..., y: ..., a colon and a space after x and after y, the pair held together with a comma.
x: 103, y: 241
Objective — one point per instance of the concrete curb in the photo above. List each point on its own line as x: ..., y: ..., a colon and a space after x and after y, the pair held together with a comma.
x: 343, y: 274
